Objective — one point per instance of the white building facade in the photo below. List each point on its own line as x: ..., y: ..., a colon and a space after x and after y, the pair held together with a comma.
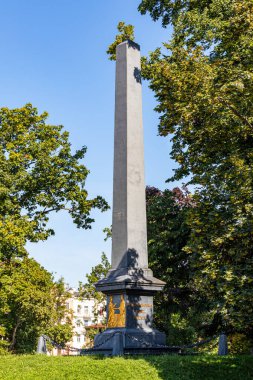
x: 85, y: 313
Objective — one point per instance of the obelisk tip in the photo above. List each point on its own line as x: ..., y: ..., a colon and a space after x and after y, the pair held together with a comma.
x: 130, y: 43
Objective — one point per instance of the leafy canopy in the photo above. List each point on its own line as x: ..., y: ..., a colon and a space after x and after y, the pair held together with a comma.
x: 202, y: 79
x: 126, y: 32
x: 38, y: 175
x: 168, y: 233
x: 31, y: 303
x: 98, y: 272
x: 203, y: 82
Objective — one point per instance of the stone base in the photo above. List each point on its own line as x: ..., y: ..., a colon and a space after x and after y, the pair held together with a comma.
x: 131, y: 338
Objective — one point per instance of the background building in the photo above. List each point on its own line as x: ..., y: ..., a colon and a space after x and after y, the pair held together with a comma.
x: 86, y: 314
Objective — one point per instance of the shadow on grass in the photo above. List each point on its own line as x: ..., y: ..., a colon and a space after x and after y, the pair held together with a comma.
x: 172, y: 367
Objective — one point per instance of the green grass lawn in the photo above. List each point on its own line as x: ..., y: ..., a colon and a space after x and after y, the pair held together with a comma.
x: 39, y: 367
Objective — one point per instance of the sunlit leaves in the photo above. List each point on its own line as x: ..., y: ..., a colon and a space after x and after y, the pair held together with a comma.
x: 31, y: 304
x: 39, y: 174
x: 203, y: 83
x: 126, y: 32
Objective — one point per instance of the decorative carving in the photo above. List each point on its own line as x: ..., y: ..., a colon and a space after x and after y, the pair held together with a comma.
x: 117, y: 315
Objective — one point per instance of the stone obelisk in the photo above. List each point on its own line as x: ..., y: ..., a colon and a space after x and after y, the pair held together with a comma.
x: 130, y: 284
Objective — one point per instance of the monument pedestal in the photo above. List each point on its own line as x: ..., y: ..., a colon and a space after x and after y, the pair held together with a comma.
x: 133, y: 339
x: 130, y: 294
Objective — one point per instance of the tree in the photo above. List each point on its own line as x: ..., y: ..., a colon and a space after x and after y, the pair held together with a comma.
x: 126, y: 32
x: 60, y: 329
x: 38, y: 175
x: 203, y: 82
x: 88, y: 291
x: 168, y: 233
x: 31, y: 303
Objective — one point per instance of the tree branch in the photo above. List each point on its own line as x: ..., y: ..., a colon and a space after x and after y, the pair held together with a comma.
x: 52, y: 209
x: 234, y: 110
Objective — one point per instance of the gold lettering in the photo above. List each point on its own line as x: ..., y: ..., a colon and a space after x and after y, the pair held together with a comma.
x: 139, y: 305
x: 141, y: 312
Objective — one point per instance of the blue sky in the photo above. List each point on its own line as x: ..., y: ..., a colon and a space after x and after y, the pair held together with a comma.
x: 53, y: 55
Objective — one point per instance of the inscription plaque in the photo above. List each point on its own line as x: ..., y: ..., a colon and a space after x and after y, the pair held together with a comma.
x: 116, y: 311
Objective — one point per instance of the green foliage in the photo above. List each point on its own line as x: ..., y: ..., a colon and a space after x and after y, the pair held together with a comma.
x: 178, y: 307
x: 167, y: 10
x: 166, y: 367
x: 60, y: 328
x: 3, y: 342
x: 60, y: 333
x: 90, y: 334
x: 31, y: 303
x: 126, y: 32
x: 239, y: 344
x: 203, y: 83
x: 88, y: 290
x: 168, y: 233
x: 108, y: 233
x: 38, y: 175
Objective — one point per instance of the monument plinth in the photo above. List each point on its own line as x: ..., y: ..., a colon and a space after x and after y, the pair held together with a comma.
x: 130, y: 284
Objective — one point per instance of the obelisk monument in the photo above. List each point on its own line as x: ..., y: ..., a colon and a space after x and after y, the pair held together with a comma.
x: 130, y: 284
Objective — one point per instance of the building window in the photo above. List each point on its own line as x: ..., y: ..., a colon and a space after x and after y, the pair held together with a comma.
x: 78, y: 339
x: 79, y: 308
x: 78, y: 323
x: 86, y: 322
x: 86, y: 310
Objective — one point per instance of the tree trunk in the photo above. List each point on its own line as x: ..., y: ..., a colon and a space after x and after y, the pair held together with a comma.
x: 14, y: 334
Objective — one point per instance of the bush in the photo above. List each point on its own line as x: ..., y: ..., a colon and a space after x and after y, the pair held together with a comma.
x: 239, y: 344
